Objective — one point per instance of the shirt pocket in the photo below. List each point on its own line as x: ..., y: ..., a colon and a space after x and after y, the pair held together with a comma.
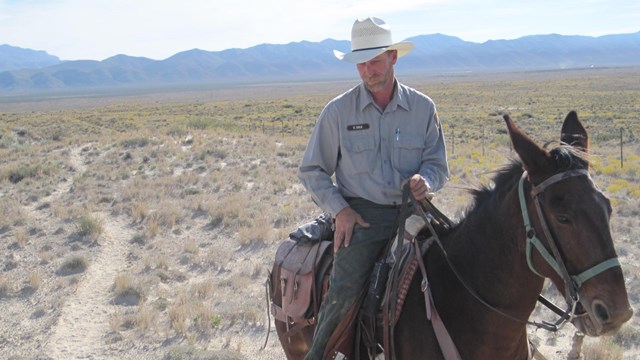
x: 359, y: 154
x: 407, y: 154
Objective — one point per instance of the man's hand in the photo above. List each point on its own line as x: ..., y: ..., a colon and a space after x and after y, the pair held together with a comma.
x: 420, y: 188
x: 346, y: 219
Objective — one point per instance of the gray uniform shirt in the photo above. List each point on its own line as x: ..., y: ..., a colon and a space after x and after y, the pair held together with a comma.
x: 370, y: 151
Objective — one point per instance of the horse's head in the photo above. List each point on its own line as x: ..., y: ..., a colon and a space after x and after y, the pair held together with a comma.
x: 569, y: 238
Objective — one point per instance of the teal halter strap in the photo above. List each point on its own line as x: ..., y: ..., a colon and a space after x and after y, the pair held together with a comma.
x: 532, y: 239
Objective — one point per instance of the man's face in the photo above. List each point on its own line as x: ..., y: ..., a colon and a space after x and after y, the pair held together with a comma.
x: 378, y: 72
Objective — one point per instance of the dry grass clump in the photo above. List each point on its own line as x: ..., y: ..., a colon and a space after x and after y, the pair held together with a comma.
x: 88, y: 226
x: 167, y: 215
x: 22, y: 237
x: 16, y: 173
x: 156, y: 260
x: 35, y: 279
x: 147, y: 318
x: 139, y: 211
x: 179, y: 314
x: 6, y: 287
x: 127, y: 290
x: 260, y: 231
x: 192, y: 311
x: 190, y: 246
x: 72, y: 265
x: 230, y: 210
x: 11, y: 213
x: 202, y: 290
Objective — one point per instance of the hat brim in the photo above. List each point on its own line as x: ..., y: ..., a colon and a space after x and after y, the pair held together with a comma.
x: 360, y: 56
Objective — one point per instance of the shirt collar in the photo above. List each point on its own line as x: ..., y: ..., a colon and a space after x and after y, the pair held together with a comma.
x: 399, y: 97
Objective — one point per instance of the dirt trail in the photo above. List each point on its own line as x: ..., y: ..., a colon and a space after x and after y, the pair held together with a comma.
x: 85, y: 316
x: 76, y: 160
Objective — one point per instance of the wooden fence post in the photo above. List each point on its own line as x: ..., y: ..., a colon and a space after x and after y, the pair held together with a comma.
x: 621, y: 151
x: 453, y: 142
x: 482, y: 140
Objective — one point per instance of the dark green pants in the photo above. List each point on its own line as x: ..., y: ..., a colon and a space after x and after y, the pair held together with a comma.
x: 352, y: 267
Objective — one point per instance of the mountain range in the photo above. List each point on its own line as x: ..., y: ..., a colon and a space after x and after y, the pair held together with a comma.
x: 25, y: 70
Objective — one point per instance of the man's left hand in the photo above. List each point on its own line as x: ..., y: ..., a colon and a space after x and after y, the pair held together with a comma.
x: 420, y: 188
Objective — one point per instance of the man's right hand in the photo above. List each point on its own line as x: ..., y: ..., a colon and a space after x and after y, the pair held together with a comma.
x: 346, y: 219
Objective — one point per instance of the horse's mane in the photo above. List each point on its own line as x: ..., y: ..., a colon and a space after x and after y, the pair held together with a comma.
x: 564, y: 157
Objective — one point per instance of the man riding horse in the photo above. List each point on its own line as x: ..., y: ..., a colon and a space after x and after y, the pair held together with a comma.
x: 373, y: 138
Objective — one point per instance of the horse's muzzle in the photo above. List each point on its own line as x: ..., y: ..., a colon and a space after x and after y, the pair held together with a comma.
x: 599, y: 318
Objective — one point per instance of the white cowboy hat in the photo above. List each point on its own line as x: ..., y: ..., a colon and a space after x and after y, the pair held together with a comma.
x: 371, y: 37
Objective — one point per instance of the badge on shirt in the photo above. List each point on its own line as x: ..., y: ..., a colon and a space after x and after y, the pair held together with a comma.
x: 357, y: 127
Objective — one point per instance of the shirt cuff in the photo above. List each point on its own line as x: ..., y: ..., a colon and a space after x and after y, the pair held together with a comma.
x: 334, y: 206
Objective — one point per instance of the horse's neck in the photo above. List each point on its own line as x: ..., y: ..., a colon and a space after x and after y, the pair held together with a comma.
x: 489, y: 252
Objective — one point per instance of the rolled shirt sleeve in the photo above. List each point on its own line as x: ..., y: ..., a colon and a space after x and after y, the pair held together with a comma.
x: 320, y: 161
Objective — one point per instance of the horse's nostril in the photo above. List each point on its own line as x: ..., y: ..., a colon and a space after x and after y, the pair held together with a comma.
x: 601, y: 312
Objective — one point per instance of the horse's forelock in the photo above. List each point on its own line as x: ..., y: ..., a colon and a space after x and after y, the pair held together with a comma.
x: 569, y: 158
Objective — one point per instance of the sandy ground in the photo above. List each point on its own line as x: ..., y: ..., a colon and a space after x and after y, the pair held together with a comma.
x: 80, y: 326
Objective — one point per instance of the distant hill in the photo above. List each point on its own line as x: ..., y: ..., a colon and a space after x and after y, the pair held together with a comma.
x: 313, y: 60
x: 14, y: 58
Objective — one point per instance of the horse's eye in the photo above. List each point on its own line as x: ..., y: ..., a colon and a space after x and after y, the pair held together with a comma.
x: 563, y: 219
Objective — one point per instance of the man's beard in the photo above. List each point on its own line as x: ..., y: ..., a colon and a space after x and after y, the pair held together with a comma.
x: 377, y: 82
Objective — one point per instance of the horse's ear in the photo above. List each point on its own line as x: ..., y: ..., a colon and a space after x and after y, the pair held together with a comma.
x: 535, y: 159
x: 573, y: 133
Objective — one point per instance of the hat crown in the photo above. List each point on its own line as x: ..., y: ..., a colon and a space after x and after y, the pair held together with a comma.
x: 370, y: 33
x: 371, y: 37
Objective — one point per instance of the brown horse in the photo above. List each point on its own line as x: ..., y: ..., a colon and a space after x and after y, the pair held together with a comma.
x: 542, y: 218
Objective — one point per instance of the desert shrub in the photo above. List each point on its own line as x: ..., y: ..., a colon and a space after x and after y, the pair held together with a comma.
x: 87, y: 226
x: 146, y: 318
x: 127, y: 291
x: 139, y: 211
x: 259, y: 232
x: 190, y: 246
x: 179, y: 314
x: 202, y: 316
x: 72, y: 265
x: 202, y: 290
x: 35, y: 280
x: 18, y: 173
x: 152, y: 228
x: 200, y: 124
x: 135, y: 142
x: 5, y: 287
x: 167, y: 215
x: 22, y: 237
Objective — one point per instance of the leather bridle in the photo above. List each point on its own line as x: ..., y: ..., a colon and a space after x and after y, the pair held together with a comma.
x: 572, y: 283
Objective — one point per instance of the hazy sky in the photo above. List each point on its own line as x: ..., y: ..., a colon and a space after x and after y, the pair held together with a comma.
x: 98, y: 29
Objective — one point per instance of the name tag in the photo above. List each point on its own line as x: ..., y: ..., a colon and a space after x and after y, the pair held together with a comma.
x: 358, y: 127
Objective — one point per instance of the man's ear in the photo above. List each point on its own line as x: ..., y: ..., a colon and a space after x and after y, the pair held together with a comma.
x: 394, y: 56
